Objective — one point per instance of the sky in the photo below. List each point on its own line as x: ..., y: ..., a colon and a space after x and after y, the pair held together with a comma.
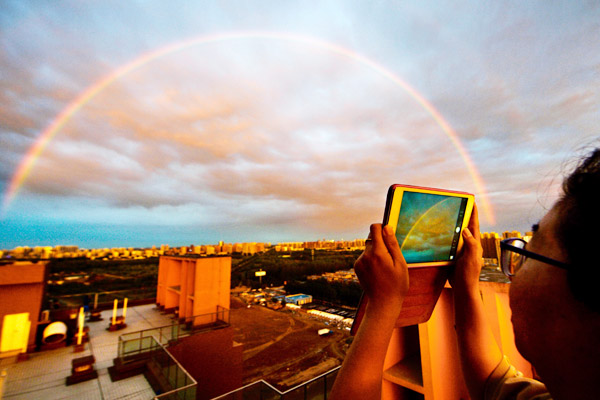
x: 141, y: 123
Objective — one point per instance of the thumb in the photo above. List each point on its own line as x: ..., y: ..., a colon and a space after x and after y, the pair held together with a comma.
x: 471, y: 242
x: 468, y: 237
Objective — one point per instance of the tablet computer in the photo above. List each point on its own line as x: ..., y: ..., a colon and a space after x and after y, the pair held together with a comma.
x: 428, y: 223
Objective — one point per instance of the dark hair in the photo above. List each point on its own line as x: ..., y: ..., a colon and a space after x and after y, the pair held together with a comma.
x: 579, y: 227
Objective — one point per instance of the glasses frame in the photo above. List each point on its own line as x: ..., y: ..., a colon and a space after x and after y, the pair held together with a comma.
x: 506, y: 245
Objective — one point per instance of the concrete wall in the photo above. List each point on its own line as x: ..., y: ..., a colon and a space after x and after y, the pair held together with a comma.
x: 22, y: 287
x: 422, y: 360
x: 194, y: 286
x: 213, y: 360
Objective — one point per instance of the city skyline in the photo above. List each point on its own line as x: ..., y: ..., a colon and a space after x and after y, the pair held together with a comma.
x: 239, y: 247
x: 276, y: 122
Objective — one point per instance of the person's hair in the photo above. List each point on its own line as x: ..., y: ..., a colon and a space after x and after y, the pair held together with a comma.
x: 579, y: 227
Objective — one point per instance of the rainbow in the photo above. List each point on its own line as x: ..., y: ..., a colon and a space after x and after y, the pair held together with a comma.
x: 28, y: 161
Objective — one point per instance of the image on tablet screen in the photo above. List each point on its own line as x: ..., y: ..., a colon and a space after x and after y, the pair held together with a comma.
x: 429, y: 226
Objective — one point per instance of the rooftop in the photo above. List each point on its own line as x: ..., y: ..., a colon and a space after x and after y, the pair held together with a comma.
x: 44, y: 374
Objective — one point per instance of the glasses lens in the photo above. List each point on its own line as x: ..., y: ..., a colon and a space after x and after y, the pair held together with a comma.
x: 511, y: 261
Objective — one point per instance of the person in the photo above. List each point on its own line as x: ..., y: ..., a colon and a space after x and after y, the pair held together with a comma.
x: 553, y: 299
x: 86, y: 304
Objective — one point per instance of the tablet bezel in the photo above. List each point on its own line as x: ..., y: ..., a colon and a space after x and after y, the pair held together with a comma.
x: 394, y: 204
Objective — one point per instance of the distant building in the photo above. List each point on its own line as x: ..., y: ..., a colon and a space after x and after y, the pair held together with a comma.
x: 227, y: 249
x: 326, y: 316
x: 490, y: 241
x: 511, y: 234
x: 299, y: 299
x: 252, y: 248
x: 491, y: 245
x: 346, y: 276
x: 290, y: 246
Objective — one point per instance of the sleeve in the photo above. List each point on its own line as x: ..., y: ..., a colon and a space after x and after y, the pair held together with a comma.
x: 505, y: 382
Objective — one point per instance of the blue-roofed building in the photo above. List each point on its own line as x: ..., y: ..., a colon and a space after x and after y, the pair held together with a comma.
x: 298, y: 299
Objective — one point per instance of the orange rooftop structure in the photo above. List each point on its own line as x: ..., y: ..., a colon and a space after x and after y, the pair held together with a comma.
x: 22, y: 287
x: 194, y: 287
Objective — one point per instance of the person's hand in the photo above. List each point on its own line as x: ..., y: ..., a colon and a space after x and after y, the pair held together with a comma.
x: 382, y: 271
x: 383, y: 275
x: 465, y: 276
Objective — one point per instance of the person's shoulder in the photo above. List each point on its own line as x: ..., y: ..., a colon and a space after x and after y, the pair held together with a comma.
x: 506, y: 382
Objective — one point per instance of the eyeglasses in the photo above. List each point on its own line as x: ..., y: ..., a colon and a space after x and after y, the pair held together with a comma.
x: 513, y: 255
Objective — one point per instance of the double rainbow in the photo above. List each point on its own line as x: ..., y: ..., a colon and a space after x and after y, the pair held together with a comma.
x: 27, y: 163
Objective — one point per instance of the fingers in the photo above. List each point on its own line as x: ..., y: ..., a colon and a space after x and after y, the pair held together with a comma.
x: 382, y: 271
x: 375, y: 234
x: 468, y: 237
x: 391, y: 243
x: 472, y: 244
x: 374, y: 248
x: 368, y: 241
x: 474, y: 223
x: 383, y: 240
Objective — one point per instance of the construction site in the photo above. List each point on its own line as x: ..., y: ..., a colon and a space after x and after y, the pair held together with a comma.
x: 284, y: 347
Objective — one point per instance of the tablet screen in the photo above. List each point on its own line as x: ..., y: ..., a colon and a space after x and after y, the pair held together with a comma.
x: 429, y: 226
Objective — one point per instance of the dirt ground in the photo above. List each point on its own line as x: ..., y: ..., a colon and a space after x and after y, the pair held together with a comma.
x: 283, y: 347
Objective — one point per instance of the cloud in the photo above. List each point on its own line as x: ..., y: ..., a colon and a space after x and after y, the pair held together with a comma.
x: 273, y: 133
x: 261, y: 142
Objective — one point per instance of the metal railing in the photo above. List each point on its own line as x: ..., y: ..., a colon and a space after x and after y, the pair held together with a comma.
x: 136, y: 343
x: 105, y: 298
x: 150, y: 345
x: 181, y: 385
x: 153, y: 341
x: 316, y: 388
